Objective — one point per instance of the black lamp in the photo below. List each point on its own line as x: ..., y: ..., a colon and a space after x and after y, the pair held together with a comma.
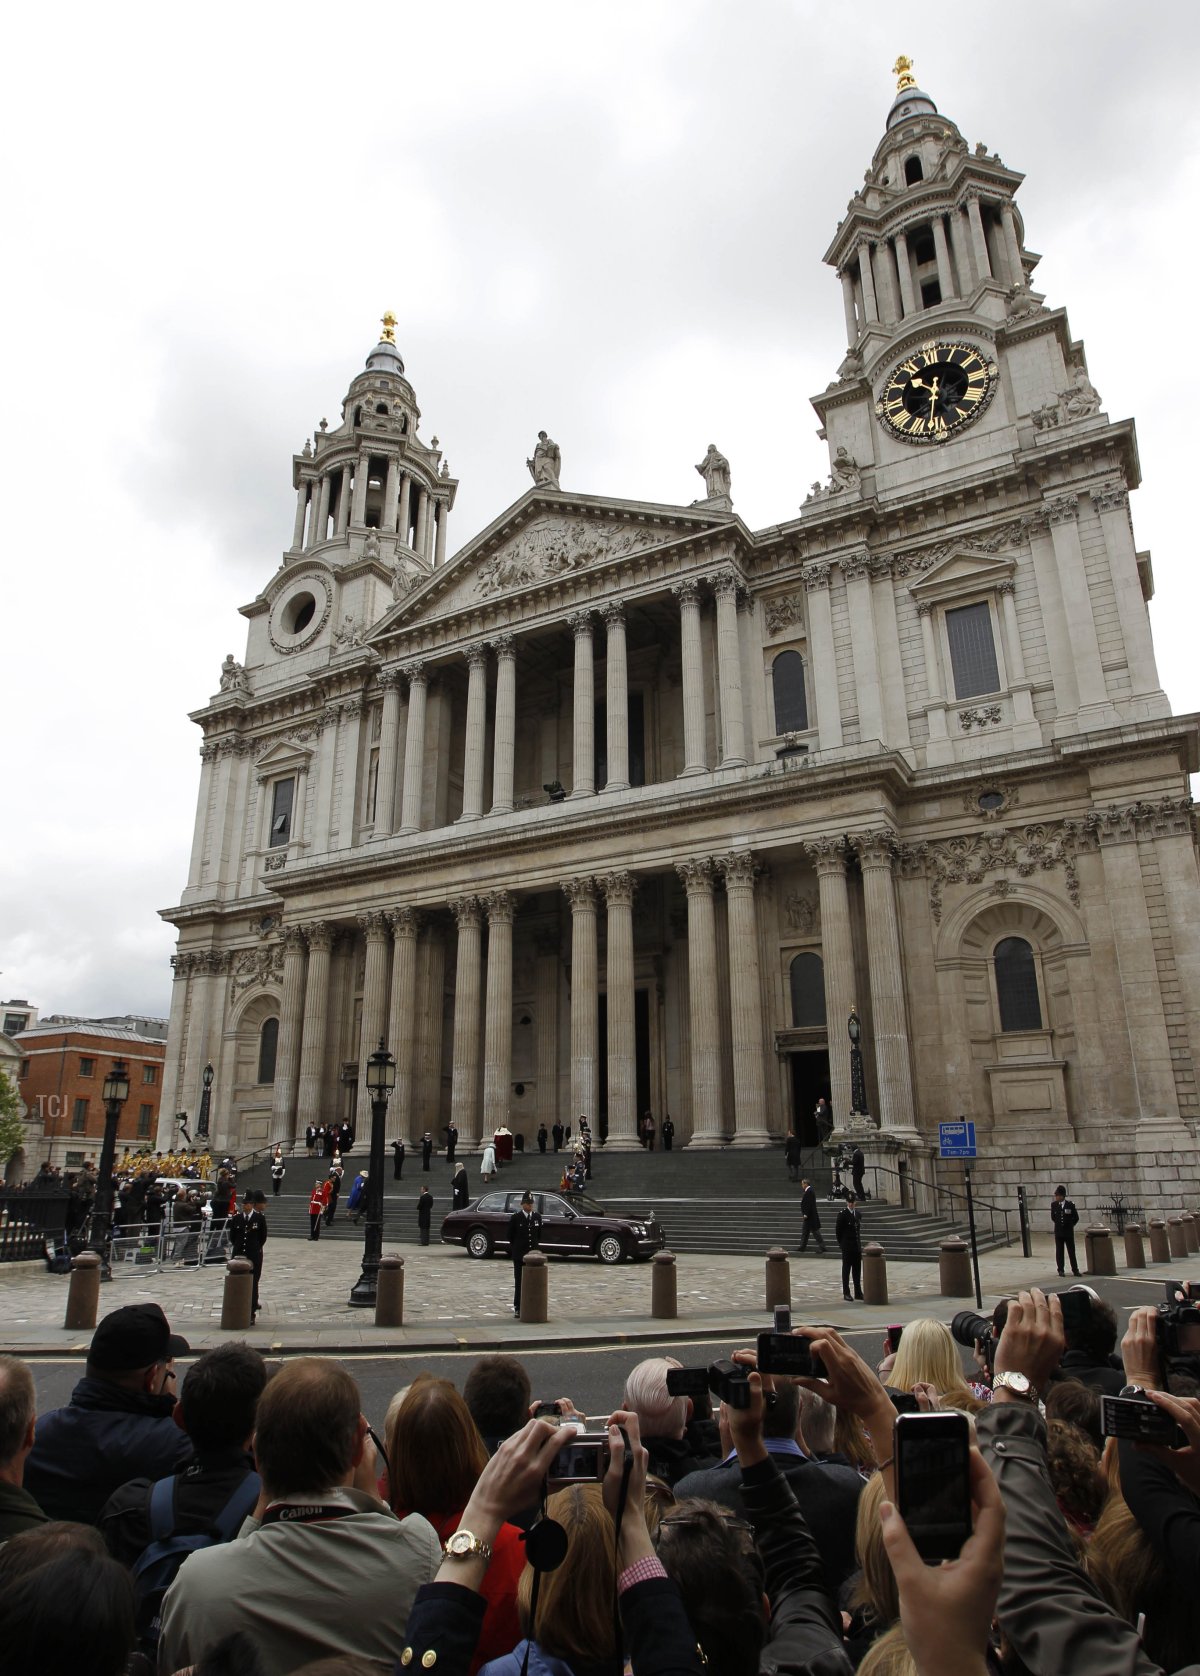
x: 381, y: 1079
x: 114, y: 1093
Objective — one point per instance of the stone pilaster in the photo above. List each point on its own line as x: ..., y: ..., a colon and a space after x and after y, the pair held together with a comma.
x: 856, y: 569
x: 291, y: 1024
x: 692, y: 662
x: 708, y: 1127
x: 389, y: 749
x: 402, y: 1019
x: 622, y: 1062
x: 583, y: 769
x: 745, y: 998
x: 585, y: 1043
x: 414, y: 749
x: 503, y: 754
x: 473, y: 755
x: 464, y: 1096
x: 617, y: 697
x: 893, y: 1065
x: 824, y: 657
x: 1112, y: 505
x: 309, y: 1108
x: 828, y: 856
x: 497, y: 1051
x: 374, y: 927
x: 729, y: 671
x: 1094, y: 707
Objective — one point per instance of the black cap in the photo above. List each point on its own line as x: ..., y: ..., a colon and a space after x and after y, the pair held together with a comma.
x: 527, y: 1197
x: 134, y: 1337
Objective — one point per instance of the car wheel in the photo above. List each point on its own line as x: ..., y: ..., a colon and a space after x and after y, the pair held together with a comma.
x: 479, y: 1243
x: 609, y: 1249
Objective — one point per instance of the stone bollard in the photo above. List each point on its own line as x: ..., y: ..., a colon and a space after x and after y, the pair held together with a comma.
x: 83, y: 1295
x: 1135, y: 1251
x: 874, y: 1275
x: 389, y: 1291
x: 238, y: 1295
x: 1098, y: 1250
x: 1176, y: 1238
x: 1160, y: 1250
x: 533, y: 1286
x: 664, y: 1304
x: 1190, y: 1232
x: 954, y: 1269
x: 779, y: 1278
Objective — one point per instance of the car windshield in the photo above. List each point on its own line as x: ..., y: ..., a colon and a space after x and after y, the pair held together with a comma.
x: 582, y: 1205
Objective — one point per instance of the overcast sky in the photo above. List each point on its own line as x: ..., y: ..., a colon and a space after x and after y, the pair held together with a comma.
x: 602, y: 220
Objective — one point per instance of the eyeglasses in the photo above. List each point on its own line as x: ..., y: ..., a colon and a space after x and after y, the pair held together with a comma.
x: 728, y: 1519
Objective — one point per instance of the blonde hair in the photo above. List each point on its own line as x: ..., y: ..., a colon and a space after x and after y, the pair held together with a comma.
x: 877, y: 1586
x: 574, y: 1609
x: 889, y: 1656
x: 929, y: 1356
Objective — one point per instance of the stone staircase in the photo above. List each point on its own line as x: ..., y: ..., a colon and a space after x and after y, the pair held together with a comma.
x: 729, y: 1201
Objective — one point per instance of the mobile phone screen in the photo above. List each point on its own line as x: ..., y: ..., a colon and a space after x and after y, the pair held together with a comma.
x: 932, y: 1482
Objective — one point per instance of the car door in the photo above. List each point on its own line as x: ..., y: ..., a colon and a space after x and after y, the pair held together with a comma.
x: 563, y: 1230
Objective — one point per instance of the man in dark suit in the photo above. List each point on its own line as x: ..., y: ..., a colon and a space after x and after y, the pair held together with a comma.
x: 426, y: 1150
x: 398, y: 1155
x: 451, y: 1140
x: 668, y: 1132
x: 1064, y: 1216
x: 557, y: 1134
x: 542, y: 1137
x: 828, y: 1495
x: 848, y: 1233
x: 424, y: 1214
x: 524, y: 1234
x: 791, y: 1156
x: 812, y: 1220
x: 858, y: 1166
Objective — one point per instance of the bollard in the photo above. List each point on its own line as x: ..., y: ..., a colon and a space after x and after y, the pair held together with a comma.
x: 664, y: 1304
x: 533, y: 1286
x: 389, y: 1291
x: 238, y: 1295
x: 1135, y: 1251
x: 779, y: 1278
x: 874, y: 1275
x: 1176, y: 1238
x: 1190, y: 1232
x: 954, y: 1269
x: 83, y: 1295
x: 1098, y: 1249
x: 1160, y: 1251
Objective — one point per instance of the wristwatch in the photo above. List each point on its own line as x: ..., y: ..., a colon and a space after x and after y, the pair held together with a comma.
x: 463, y: 1545
x: 1017, y: 1383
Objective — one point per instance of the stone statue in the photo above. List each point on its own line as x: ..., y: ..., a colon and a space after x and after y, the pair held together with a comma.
x: 1082, y: 399
x: 307, y: 449
x: 714, y: 469
x: 233, y: 675
x: 371, y: 545
x: 845, y: 477
x: 349, y: 635
x: 546, y: 463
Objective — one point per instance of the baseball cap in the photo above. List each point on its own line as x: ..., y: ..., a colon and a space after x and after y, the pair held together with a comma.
x: 134, y: 1337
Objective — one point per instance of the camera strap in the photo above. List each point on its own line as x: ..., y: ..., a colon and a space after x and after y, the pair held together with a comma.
x: 545, y: 1550
x: 622, y: 1498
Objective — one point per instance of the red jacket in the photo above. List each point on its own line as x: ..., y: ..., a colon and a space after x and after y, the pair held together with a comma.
x: 318, y: 1199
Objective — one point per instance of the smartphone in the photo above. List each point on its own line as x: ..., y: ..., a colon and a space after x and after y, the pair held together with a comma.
x: 1076, y: 1309
x: 547, y: 1411
x: 789, y: 1353
x: 893, y: 1339
x: 687, y: 1382
x: 582, y: 1461
x: 1141, y: 1421
x: 783, y: 1318
x: 902, y: 1401
x: 731, y: 1382
x: 933, y: 1484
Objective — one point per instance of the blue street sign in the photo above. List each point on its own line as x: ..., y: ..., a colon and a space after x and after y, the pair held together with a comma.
x: 956, y: 1140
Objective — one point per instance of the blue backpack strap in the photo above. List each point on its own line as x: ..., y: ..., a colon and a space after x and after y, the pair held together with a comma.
x: 162, y: 1509
x: 240, y: 1504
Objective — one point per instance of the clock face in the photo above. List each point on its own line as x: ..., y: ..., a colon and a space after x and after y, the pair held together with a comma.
x: 935, y: 392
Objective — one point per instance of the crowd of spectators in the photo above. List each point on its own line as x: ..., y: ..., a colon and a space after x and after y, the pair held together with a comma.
x: 252, y: 1522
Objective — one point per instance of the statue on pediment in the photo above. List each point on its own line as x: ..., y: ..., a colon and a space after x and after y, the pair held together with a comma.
x: 546, y: 463
x: 714, y: 469
x: 1082, y: 399
x: 233, y: 675
x: 844, y: 477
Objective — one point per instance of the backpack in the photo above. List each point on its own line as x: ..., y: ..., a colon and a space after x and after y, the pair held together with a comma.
x: 156, y: 1566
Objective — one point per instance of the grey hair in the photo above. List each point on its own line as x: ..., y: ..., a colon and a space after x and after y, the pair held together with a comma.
x: 18, y: 1404
x: 818, y: 1419
x: 660, y: 1414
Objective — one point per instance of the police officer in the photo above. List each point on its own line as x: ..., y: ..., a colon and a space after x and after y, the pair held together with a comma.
x: 668, y: 1132
x: 524, y: 1234
x: 848, y: 1233
x: 541, y: 1137
x: 1064, y: 1216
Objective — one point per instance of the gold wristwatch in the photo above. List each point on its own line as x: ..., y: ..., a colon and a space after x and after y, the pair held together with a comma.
x: 1018, y: 1384
x: 463, y: 1546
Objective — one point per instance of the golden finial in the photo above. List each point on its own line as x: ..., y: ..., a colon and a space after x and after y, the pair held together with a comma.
x: 902, y: 70
x: 389, y: 328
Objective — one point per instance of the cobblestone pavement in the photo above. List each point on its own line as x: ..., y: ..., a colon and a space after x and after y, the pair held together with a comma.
x: 451, y: 1301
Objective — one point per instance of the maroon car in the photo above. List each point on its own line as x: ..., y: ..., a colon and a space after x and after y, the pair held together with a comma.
x: 573, y: 1225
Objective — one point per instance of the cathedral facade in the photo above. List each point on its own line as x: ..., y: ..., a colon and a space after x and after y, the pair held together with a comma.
x: 627, y: 807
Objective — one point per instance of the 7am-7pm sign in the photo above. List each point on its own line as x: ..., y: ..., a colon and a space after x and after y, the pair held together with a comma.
x: 956, y: 1140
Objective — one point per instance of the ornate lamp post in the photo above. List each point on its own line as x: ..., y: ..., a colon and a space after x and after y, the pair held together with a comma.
x: 205, y: 1101
x: 858, y: 1082
x: 115, y: 1093
x: 381, y: 1079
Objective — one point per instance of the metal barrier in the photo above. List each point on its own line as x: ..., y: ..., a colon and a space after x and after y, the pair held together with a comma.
x: 944, y: 1199
x: 31, y: 1218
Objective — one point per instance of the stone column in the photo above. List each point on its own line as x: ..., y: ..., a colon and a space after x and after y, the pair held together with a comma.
x: 402, y: 1013
x: 422, y: 530
x: 475, y: 745
x: 546, y: 1025
x: 209, y: 767
x: 323, y: 510
x: 904, y: 265
x: 1077, y: 601
x: 319, y: 935
x: 291, y: 1024
x: 1170, y: 819
x: 585, y: 1044
x: 960, y: 243
x: 1027, y: 732
x: 301, y: 509
x: 945, y: 269
x: 1054, y: 619
x: 439, y: 554
x: 867, y: 280
x: 404, y: 513
x: 622, y: 1055
x: 829, y: 858
x: 1112, y: 504
x: 617, y: 693
x: 505, y: 738
x: 983, y: 266
x: 708, y: 1124
x: 847, y: 280
x: 893, y: 1067
x: 856, y: 569
x: 389, y: 748
x: 729, y: 671
x: 374, y: 927
x: 824, y: 657
x: 344, y: 497
x: 583, y: 777
x: 692, y: 661
x: 497, y: 1050
x: 885, y: 282
x: 431, y: 1007
x: 464, y: 1095
x: 1012, y: 243
x: 745, y: 999
x: 358, y: 517
x: 414, y: 749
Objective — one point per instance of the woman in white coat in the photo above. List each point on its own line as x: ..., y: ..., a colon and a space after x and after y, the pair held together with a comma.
x: 487, y: 1164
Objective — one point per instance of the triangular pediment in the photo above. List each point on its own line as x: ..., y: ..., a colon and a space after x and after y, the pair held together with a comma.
x: 961, y: 571
x: 541, y: 539
x: 284, y: 756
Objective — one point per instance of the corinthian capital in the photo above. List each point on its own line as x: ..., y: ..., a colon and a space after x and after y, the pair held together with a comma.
x: 725, y: 585
x: 373, y: 924
x: 580, y: 623
x: 466, y: 910
x: 477, y: 657
x: 613, y: 613
x: 405, y: 922
x: 738, y: 869
x: 580, y: 893
x: 415, y: 673
x: 876, y: 848
x: 687, y: 591
x: 1063, y: 509
x: 828, y: 855
x: 502, y: 645
x: 618, y: 889
x: 292, y: 938
x: 816, y: 576
x: 320, y: 934
x: 500, y: 905
x: 697, y: 875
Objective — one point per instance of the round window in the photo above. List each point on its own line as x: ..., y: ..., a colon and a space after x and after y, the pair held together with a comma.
x: 989, y: 801
x: 299, y: 613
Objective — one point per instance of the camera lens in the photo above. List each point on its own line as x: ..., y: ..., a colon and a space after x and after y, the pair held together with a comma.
x: 967, y: 1327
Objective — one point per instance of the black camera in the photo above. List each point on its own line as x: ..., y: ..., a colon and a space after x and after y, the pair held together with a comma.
x: 727, y: 1381
x: 1178, y: 1332
x: 975, y: 1330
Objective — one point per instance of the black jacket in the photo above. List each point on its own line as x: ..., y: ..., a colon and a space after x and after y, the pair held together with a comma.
x: 201, y: 1492
x: 805, y: 1636
x: 524, y: 1234
x: 1102, y: 1377
x: 808, y: 1206
x: 1063, y: 1215
x: 847, y: 1231
x: 462, y: 1191
x: 424, y: 1211
x: 791, y: 1151
x: 102, y: 1439
x: 673, y: 1458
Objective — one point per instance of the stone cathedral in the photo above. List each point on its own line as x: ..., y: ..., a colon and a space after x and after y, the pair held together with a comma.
x: 625, y: 807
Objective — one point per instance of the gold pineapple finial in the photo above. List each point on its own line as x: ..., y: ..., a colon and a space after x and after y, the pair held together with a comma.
x: 389, y: 328
x: 902, y: 70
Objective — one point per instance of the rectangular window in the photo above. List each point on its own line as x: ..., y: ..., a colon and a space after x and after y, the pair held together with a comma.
x: 145, y: 1118
x: 972, y: 651
x: 14, y: 1023
x: 79, y: 1117
x: 24, y: 1071
x: 149, y: 1073
x: 283, y: 795
x: 87, y: 1067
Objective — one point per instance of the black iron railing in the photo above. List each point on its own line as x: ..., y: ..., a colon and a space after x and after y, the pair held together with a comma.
x: 29, y: 1218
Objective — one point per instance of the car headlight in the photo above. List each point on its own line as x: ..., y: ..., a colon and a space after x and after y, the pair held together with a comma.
x: 636, y: 1228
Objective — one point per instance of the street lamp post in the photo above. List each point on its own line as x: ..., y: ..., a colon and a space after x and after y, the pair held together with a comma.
x: 381, y: 1079
x: 858, y: 1082
x: 115, y: 1093
x: 205, y: 1101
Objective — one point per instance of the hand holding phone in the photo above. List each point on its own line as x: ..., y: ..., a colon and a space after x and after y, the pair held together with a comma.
x: 933, y: 1482
x: 789, y: 1355
x: 1140, y: 1421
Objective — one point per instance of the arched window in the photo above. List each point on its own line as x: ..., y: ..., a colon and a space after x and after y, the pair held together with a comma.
x: 268, y: 1044
x: 808, y: 992
x: 791, y: 705
x: 913, y: 172
x: 1016, y: 985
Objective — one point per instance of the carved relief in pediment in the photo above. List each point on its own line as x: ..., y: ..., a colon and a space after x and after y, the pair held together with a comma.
x: 554, y: 545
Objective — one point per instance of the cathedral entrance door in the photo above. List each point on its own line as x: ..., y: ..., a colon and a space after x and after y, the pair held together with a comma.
x: 810, y: 1080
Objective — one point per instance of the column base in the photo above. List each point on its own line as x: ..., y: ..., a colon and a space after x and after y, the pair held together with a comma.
x: 707, y: 1140
x: 733, y: 762
x: 617, y: 785
x: 753, y: 1137
x: 583, y: 791
x: 501, y: 809
x: 622, y: 1143
x: 689, y: 773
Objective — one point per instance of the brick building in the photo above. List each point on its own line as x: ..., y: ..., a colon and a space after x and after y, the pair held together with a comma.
x: 61, y: 1080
